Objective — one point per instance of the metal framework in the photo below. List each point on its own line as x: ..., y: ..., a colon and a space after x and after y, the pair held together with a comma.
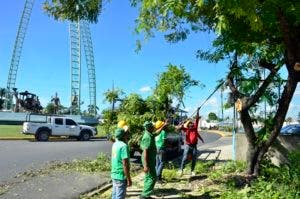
x: 79, y: 32
x: 75, y: 45
x: 14, y: 64
x: 89, y: 55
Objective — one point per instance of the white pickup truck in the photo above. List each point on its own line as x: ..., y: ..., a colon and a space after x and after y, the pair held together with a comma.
x: 58, y: 126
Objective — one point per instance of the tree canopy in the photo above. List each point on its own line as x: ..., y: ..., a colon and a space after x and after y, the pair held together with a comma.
x: 259, y: 37
x: 212, y: 116
x: 74, y: 10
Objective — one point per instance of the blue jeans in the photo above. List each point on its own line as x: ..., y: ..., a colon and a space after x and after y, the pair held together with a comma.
x: 189, y: 149
x: 119, y: 189
x: 160, y: 161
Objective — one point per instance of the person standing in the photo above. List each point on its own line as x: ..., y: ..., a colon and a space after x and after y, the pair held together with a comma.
x: 148, y: 160
x: 120, y: 167
x: 191, y: 139
x: 160, y: 142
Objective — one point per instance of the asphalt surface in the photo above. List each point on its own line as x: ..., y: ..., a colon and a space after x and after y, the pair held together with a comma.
x: 20, y: 156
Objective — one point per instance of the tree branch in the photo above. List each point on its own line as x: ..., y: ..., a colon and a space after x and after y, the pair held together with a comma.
x: 233, y: 88
x: 248, y: 127
x: 254, y: 98
x: 283, y: 107
x: 267, y: 65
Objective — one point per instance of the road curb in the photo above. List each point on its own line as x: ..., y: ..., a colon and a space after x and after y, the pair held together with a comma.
x: 221, y: 133
x: 32, y: 138
x: 98, y: 190
x: 13, y: 138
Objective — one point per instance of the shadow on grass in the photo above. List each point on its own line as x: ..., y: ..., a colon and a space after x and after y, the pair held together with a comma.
x: 198, y: 177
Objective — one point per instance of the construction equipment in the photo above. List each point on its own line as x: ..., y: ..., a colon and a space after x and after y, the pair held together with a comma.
x: 79, y: 33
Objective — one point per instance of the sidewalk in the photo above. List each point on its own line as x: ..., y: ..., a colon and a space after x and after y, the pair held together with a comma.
x: 52, y: 184
x: 185, y: 186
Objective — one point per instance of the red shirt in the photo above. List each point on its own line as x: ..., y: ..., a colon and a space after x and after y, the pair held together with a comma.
x: 191, y: 134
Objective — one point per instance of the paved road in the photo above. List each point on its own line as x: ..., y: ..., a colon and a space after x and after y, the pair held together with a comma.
x: 20, y: 156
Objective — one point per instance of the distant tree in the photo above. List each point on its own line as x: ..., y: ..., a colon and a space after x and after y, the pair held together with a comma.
x: 173, y: 85
x: 289, y: 120
x: 2, y: 94
x: 299, y: 117
x: 212, y: 116
x: 51, y: 109
x: 112, y: 96
x: 91, y: 109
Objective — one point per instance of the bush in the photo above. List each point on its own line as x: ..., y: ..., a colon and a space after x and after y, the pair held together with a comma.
x: 204, y: 167
x: 233, y: 167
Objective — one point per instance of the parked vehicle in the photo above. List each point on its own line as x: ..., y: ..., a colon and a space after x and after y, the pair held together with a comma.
x: 290, y: 129
x: 173, y: 146
x: 58, y: 126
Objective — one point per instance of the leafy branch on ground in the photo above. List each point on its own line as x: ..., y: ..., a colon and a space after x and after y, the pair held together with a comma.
x: 100, y: 164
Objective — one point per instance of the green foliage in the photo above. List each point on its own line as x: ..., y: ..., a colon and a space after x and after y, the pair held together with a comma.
x: 110, y: 120
x: 50, y: 108
x: 100, y: 164
x: 73, y: 10
x: 233, y: 167
x: 2, y: 94
x: 275, y: 182
x: 173, y: 84
x: 203, y: 168
x: 112, y: 96
x: 212, y: 116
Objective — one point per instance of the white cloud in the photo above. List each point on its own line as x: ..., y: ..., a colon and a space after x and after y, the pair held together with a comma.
x: 145, y: 89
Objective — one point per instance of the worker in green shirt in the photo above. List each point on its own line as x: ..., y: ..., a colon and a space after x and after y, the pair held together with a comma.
x: 120, y: 168
x: 160, y: 141
x: 148, y: 159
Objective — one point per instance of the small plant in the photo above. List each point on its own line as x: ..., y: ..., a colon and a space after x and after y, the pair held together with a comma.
x: 204, y: 167
x: 169, y: 174
x: 216, y: 175
x: 233, y: 167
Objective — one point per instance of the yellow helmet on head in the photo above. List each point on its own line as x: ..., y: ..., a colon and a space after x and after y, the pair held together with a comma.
x: 186, y: 124
x: 123, y: 125
x: 159, y: 124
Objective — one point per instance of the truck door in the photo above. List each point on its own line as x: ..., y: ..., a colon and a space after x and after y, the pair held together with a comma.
x: 58, y: 127
x: 72, y: 127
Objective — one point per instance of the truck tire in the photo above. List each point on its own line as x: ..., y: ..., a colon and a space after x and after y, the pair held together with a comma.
x: 42, y: 135
x: 85, y: 136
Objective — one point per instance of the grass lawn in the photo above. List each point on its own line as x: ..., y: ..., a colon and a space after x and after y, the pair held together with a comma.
x: 11, y: 131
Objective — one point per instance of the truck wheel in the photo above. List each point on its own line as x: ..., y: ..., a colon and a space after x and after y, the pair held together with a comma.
x: 85, y: 136
x: 43, y: 136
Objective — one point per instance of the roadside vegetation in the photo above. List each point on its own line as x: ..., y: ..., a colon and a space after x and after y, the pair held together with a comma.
x: 228, y: 180
x: 12, y: 131
x: 100, y: 164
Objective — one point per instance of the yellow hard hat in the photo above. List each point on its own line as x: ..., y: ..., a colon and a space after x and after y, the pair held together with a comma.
x: 187, y: 123
x: 121, y: 124
x: 159, y: 124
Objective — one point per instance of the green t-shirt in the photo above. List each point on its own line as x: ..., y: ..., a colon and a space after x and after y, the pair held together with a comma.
x: 148, y: 142
x: 120, y: 151
x: 160, y: 139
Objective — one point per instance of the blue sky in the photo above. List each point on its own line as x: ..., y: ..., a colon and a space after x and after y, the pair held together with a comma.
x: 45, y: 69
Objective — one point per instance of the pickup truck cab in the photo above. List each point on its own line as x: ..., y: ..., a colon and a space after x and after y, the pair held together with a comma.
x: 58, y: 126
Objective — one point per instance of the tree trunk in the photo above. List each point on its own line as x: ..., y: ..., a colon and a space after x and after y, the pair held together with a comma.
x: 256, y: 150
